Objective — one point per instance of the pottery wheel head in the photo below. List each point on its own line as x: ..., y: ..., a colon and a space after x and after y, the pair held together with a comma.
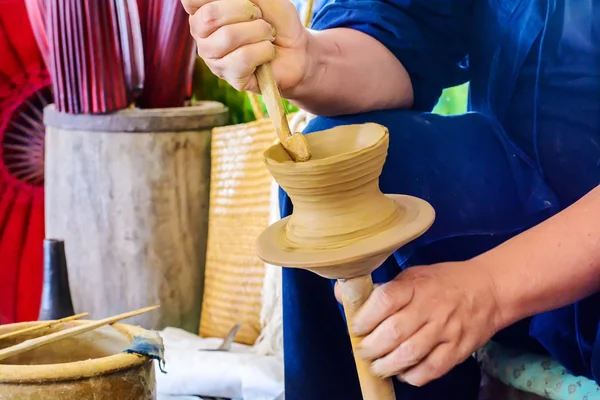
x: 342, y: 225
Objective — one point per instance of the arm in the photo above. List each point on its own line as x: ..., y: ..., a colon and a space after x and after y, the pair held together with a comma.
x: 374, y: 55
x: 340, y: 56
x: 361, y: 56
x: 431, y: 318
x: 549, y: 266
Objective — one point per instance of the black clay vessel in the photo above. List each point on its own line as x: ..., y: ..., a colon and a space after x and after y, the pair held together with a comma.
x: 56, y: 295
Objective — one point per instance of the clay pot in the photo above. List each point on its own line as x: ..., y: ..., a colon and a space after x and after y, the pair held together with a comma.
x: 341, y: 176
x: 88, y: 366
x: 342, y: 226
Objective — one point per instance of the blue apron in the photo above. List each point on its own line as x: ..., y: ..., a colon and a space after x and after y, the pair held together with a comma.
x: 490, y: 174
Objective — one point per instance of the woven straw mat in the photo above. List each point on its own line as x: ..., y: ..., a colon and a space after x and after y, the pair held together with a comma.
x: 240, y: 193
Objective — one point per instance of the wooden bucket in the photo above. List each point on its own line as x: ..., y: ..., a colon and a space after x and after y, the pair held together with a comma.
x: 128, y: 192
x: 88, y: 366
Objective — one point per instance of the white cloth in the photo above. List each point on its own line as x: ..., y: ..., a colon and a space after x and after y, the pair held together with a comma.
x: 237, y: 374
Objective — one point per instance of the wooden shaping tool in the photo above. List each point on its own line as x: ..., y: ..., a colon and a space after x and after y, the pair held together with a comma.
x: 294, y: 143
x: 67, y: 333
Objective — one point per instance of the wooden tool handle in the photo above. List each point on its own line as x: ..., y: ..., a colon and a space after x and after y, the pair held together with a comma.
x: 273, y: 100
x: 294, y: 143
x: 354, y: 294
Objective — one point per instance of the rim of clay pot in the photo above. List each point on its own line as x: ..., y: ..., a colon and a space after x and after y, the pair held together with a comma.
x: 73, y: 370
x: 418, y: 216
x: 199, y: 116
x: 376, y: 141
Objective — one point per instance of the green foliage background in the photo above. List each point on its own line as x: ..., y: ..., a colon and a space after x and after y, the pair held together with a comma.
x: 453, y: 101
x: 207, y: 86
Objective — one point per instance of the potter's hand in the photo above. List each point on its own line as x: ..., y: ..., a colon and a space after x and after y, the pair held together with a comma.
x: 233, y: 37
x: 427, y: 320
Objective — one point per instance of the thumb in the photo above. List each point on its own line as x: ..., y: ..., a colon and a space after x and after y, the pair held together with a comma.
x: 337, y: 291
x: 284, y: 17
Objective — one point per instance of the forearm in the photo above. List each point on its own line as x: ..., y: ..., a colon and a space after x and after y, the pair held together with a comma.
x: 350, y: 72
x: 550, y: 266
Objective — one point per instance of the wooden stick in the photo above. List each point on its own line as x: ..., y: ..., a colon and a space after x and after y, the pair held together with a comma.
x: 67, y: 333
x: 45, y: 324
x: 295, y: 144
x: 256, y: 106
x: 308, y: 13
x: 354, y: 294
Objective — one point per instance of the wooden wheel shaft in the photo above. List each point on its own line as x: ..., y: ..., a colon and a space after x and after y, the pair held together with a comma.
x: 355, y: 293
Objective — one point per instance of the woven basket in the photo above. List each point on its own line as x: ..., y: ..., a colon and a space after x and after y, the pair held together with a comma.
x: 240, y: 196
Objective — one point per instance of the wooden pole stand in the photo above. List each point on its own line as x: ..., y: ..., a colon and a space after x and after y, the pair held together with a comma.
x: 355, y: 293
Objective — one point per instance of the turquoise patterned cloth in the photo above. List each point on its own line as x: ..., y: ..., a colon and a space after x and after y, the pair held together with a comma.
x: 536, y: 374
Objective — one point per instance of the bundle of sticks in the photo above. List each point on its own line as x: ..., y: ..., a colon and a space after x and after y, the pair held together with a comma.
x: 32, y: 344
x: 108, y: 55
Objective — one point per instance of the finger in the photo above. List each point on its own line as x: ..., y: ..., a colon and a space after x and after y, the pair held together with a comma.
x: 409, y: 353
x: 337, y: 291
x: 391, y: 333
x: 191, y: 6
x: 216, y: 14
x: 230, y: 37
x: 238, y: 67
x: 384, y: 302
x: 252, y: 86
x: 437, y: 364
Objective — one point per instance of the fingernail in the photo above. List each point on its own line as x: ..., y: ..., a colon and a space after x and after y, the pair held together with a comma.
x: 273, y: 31
x: 357, y: 329
x: 376, y: 369
x: 258, y: 11
x: 360, y: 352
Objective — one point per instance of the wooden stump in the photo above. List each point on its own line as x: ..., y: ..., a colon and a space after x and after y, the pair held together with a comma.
x: 129, y: 194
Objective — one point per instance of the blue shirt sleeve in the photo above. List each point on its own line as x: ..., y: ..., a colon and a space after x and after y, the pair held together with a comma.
x: 429, y: 37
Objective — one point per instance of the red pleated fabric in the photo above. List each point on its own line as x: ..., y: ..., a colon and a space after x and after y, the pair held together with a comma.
x: 168, y: 53
x: 95, y: 52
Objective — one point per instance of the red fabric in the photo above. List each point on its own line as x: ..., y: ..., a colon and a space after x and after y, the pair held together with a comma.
x: 21, y: 59
x: 22, y: 74
x: 37, y: 17
x: 30, y: 280
x: 84, y: 45
x: 168, y: 53
x: 15, y: 206
x: 7, y: 200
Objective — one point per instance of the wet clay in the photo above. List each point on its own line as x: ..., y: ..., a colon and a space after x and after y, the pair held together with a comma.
x: 342, y: 226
